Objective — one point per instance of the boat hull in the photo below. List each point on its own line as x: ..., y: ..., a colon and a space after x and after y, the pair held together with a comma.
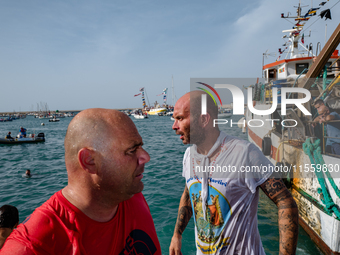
x: 156, y: 111
x: 317, y: 221
x: 22, y: 140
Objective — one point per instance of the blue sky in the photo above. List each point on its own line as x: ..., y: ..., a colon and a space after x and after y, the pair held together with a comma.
x: 75, y: 55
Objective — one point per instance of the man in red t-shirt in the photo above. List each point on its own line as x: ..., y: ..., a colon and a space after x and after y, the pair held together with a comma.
x: 102, y: 209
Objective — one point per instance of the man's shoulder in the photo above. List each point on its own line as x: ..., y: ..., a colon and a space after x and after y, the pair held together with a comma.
x: 40, y: 229
x: 45, y: 217
x: 335, y: 114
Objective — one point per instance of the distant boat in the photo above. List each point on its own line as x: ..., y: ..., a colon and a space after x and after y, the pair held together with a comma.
x: 226, y: 113
x: 140, y: 116
x: 33, y: 139
x: 54, y: 120
x: 156, y: 111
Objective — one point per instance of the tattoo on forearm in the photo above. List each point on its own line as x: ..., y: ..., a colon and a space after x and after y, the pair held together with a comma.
x: 289, y: 229
x: 184, y: 213
x: 288, y: 214
x: 272, y: 187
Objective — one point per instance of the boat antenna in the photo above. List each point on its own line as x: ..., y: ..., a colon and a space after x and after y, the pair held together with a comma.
x: 266, y: 54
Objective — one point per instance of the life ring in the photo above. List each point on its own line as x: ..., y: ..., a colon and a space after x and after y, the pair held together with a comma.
x: 266, y: 146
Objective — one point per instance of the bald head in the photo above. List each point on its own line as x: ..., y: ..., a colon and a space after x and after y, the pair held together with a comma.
x: 92, y: 128
x: 192, y: 126
x: 196, y: 104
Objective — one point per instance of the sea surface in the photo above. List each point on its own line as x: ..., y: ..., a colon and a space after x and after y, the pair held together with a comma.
x: 163, y: 181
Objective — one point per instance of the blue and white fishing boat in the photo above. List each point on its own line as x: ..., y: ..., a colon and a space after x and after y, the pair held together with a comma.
x: 312, y: 173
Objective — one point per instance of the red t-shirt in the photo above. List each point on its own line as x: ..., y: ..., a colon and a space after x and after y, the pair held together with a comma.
x: 58, y: 227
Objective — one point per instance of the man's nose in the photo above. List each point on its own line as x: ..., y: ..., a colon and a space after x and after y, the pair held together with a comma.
x: 175, y: 125
x: 144, y: 157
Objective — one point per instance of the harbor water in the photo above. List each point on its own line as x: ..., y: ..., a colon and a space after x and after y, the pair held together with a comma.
x: 163, y: 181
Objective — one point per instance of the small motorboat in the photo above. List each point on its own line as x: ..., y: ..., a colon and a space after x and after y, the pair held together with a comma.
x: 31, y: 139
x: 140, y: 116
x: 225, y: 113
x: 53, y: 120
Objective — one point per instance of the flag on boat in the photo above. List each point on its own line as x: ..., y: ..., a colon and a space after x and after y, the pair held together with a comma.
x: 311, y: 12
x: 141, y: 89
x: 137, y: 94
x: 299, y: 25
x: 326, y: 13
x: 164, y: 95
x: 302, y: 19
x: 303, y: 38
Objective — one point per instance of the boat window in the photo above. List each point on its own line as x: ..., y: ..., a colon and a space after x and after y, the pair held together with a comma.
x: 300, y: 67
x: 272, y: 74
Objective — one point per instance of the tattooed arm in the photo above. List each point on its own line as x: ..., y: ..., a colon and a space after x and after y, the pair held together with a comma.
x: 184, y: 215
x: 288, y: 214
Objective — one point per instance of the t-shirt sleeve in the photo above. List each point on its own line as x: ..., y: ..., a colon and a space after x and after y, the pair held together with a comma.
x: 260, y: 168
x: 336, y: 115
x: 16, y: 246
x: 186, y: 163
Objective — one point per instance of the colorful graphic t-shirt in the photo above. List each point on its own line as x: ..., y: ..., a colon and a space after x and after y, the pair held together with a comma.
x: 230, y: 225
x: 58, y: 227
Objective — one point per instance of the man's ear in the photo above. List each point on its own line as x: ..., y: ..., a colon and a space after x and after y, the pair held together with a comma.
x: 86, y: 160
x: 205, y: 119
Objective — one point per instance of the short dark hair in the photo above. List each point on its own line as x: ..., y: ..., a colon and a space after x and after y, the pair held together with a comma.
x: 9, y: 216
x: 319, y: 101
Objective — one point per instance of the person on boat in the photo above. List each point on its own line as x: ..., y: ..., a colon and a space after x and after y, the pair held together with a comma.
x: 9, y: 220
x: 333, y: 128
x: 231, y: 213
x: 8, y: 136
x: 102, y: 209
x: 23, y: 131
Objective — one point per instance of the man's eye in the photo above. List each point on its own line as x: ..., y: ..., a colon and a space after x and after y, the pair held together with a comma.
x: 133, y: 151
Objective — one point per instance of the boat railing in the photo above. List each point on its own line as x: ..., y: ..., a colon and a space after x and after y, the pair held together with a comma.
x: 317, y: 49
x: 310, y: 49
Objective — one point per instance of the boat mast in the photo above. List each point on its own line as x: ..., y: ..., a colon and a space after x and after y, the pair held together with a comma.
x: 146, y: 95
x: 173, y: 91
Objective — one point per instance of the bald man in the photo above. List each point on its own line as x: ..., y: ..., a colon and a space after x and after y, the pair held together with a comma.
x: 102, y: 209
x: 224, y: 204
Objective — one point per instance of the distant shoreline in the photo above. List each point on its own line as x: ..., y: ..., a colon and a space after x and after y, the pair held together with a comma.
x: 60, y: 111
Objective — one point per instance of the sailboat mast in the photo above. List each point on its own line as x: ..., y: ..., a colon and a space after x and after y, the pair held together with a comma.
x: 147, y: 97
x: 173, y: 91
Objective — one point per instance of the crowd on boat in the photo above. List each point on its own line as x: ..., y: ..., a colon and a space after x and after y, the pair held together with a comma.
x: 332, y: 121
x: 22, y: 134
x: 22, y: 137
